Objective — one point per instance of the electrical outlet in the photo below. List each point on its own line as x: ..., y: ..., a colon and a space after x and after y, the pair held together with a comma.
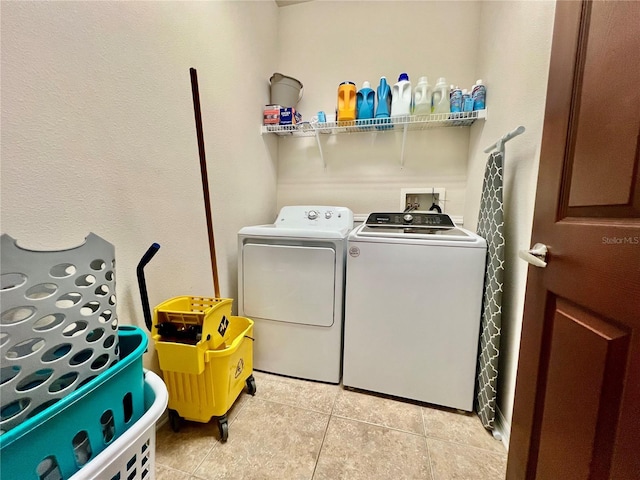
x: 422, y: 198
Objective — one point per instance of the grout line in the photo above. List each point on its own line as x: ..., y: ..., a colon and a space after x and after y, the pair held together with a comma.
x: 379, y: 425
x: 461, y: 444
x: 433, y: 474
x: 335, y: 399
x: 203, y: 458
x: 333, y: 406
x: 217, y: 442
x: 321, y: 445
x: 177, y: 470
x: 242, y: 407
x: 426, y: 443
x: 296, y: 406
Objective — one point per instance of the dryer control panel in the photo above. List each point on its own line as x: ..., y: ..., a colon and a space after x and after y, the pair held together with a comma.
x: 319, y: 217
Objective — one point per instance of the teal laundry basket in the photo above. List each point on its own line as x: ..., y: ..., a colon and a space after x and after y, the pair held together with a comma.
x: 58, y: 441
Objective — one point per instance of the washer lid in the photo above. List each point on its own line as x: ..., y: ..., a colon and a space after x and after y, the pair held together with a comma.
x: 449, y: 234
x: 452, y: 237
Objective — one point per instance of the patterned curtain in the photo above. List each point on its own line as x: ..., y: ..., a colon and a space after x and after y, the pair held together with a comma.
x: 490, y: 227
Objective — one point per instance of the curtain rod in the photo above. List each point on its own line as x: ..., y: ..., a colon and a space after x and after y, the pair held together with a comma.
x: 499, y: 145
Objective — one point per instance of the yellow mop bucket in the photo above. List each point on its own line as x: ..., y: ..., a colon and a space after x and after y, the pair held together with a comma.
x: 206, y: 376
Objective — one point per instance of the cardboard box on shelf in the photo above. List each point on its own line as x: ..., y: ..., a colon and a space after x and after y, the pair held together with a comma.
x: 289, y: 116
x: 271, y: 115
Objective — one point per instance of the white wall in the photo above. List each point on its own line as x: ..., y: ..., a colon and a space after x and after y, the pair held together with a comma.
x: 324, y: 43
x: 98, y: 133
x: 516, y: 79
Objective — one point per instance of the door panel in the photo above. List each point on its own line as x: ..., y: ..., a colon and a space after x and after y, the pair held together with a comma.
x: 577, y: 404
x: 289, y: 283
x: 607, y: 117
x: 586, y: 365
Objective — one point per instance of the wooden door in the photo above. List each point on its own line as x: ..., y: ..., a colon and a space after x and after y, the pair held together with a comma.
x: 577, y: 403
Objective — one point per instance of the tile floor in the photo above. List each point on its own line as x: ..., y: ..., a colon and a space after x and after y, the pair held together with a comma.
x: 294, y: 429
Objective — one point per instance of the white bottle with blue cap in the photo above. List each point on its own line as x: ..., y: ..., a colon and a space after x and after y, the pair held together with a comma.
x: 401, y: 97
x: 479, y: 95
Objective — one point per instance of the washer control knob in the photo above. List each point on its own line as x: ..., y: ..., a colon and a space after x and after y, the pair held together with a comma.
x: 408, y: 218
x: 328, y: 214
x: 312, y: 215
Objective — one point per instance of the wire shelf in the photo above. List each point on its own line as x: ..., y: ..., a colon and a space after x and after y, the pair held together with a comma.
x: 401, y: 123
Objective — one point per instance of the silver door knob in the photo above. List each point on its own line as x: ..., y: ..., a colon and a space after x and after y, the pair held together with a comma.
x: 537, y: 256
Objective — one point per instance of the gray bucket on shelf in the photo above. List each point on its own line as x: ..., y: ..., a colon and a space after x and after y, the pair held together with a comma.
x: 285, y: 91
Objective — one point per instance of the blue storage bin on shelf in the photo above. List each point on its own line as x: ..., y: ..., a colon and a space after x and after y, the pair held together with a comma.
x: 58, y: 441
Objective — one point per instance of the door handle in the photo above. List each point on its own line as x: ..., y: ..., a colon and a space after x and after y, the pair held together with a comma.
x: 537, y: 256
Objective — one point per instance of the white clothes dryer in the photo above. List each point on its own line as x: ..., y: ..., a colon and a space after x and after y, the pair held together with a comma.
x: 291, y: 284
x: 413, y: 307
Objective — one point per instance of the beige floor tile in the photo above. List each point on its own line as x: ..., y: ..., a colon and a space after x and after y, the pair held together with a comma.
x: 460, y: 428
x: 453, y: 461
x: 184, y: 450
x: 166, y: 473
x: 237, y: 406
x: 268, y: 441
x: 360, y: 451
x: 299, y: 393
x: 379, y: 410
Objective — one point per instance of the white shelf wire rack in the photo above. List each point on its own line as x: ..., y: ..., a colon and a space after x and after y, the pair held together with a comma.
x: 401, y: 123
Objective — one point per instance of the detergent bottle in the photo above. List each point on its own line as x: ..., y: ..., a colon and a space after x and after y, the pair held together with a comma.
x: 365, y: 102
x: 383, y: 109
x: 440, y: 98
x: 401, y: 98
x: 479, y: 95
x: 456, y: 99
x: 346, y: 102
x: 467, y: 101
x: 422, y: 97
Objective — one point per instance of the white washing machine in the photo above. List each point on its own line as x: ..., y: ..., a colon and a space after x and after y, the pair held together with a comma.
x: 291, y: 283
x: 413, y: 307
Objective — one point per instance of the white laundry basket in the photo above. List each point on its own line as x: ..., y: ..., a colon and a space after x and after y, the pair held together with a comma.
x: 133, y: 454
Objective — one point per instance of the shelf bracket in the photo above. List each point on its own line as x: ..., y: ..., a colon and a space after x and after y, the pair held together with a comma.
x: 404, y: 139
x: 320, y: 149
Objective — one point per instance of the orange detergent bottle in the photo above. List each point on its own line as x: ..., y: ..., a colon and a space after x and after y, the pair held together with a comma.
x: 346, y: 102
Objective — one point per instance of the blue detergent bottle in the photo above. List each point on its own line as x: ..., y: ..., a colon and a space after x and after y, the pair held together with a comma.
x: 365, y: 102
x: 384, y: 99
x: 383, y: 110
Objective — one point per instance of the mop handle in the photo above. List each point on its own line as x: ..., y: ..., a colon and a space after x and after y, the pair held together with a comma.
x: 203, y: 174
